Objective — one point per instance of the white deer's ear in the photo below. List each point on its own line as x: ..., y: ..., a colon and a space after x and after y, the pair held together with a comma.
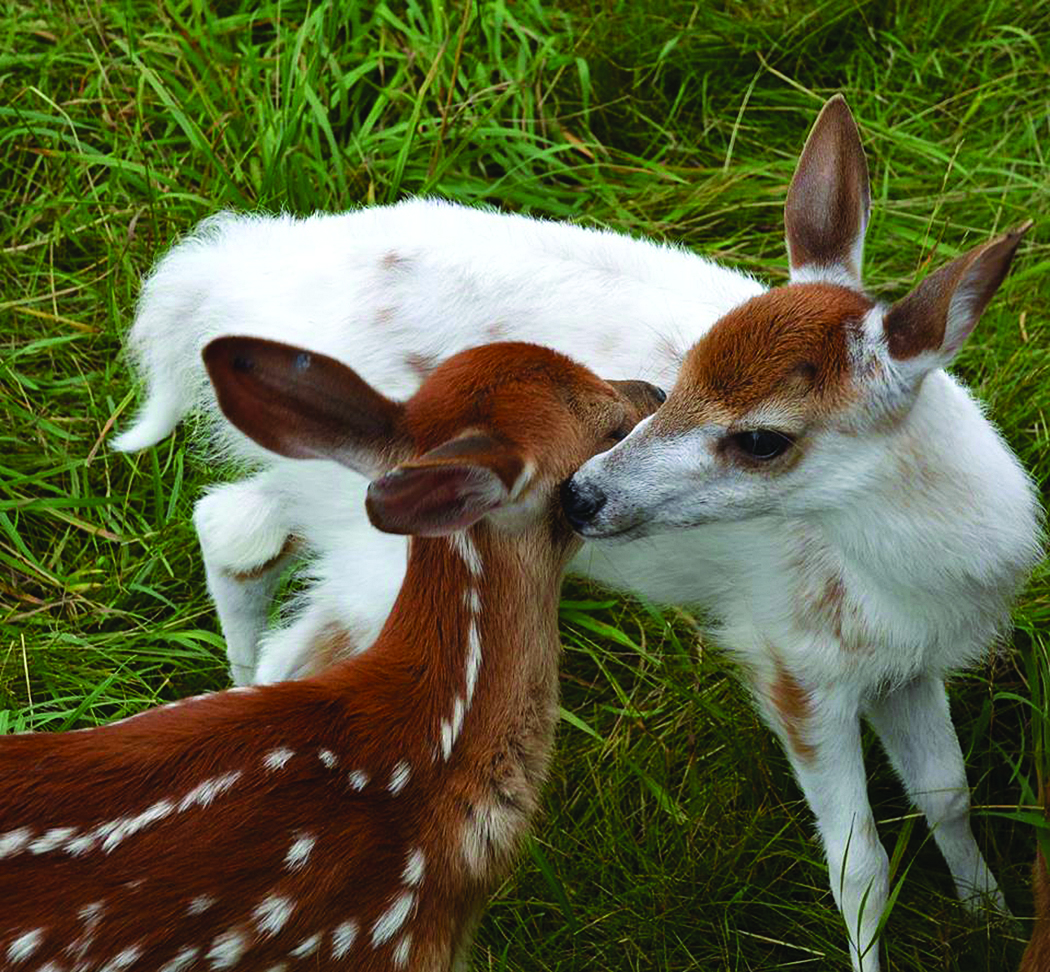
x: 927, y: 328
x: 305, y: 405
x: 828, y: 202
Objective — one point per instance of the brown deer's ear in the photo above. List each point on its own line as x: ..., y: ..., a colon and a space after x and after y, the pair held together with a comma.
x: 937, y: 316
x: 304, y: 405
x: 828, y: 202
x: 447, y: 489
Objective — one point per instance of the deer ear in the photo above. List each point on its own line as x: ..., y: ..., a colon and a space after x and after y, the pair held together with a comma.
x: 304, y: 405
x: 447, y: 489
x: 828, y: 202
x: 926, y: 329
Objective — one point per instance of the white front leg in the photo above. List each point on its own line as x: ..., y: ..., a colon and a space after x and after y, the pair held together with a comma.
x: 820, y: 731
x: 243, y: 531
x: 916, y: 730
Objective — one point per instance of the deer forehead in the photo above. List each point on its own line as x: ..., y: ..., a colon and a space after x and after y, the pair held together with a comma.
x: 791, y: 351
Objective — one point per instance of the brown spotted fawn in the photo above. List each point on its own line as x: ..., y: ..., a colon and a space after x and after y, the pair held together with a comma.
x: 356, y: 819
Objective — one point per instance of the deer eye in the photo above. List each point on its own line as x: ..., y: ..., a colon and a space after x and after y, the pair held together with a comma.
x: 762, y: 444
x: 618, y: 434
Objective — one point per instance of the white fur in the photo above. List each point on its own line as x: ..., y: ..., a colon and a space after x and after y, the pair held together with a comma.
x: 928, y: 572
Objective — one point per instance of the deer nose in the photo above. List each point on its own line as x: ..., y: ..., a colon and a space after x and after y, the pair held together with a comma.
x: 580, y: 503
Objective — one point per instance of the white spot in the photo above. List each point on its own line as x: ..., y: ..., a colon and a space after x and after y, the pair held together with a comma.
x: 327, y: 757
x: 472, y: 599
x: 92, y: 912
x: 359, y: 779
x: 25, y: 945
x: 486, y: 832
x: 464, y: 546
x: 413, y: 872
x: 343, y: 938
x: 227, y: 949
x: 446, y: 739
x: 473, y: 659
x: 200, y: 904
x: 14, y: 841
x: 276, y: 758
x: 306, y: 947
x: 457, y: 718
x: 299, y: 852
x: 279, y: 967
x: 51, y: 839
x: 50, y: 967
x: 389, y: 923
x: 122, y: 829
x: 401, y: 952
x: 122, y: 959
x: 399, y: 777
x: 272, y: 913
x: 203, y: 794
x: 182, y: 961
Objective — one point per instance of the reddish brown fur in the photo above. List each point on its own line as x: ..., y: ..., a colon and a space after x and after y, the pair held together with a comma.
x: 794, y: 709
x: 789, y: 344
x: 369, y: 713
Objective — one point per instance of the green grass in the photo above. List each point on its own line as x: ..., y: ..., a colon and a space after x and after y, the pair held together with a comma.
x: 673, y: 836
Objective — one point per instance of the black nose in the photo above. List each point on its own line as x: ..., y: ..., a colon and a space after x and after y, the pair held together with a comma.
x: 580, y: 503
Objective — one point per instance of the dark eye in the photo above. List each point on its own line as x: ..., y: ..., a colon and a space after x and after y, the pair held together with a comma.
x: 659, y: 394
x: 761, y: 444
x: 618, y: 434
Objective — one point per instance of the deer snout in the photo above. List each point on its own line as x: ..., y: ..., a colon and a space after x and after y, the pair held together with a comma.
x: 581, y: 503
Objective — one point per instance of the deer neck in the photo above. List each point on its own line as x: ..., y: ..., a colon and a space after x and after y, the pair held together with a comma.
x: 474, y: 636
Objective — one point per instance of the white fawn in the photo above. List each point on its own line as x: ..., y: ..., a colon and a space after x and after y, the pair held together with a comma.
x: 357, y: 819
x: 859, y: 528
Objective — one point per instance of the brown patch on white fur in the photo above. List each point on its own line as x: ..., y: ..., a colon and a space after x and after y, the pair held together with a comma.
x: 290, y: 545
x: 421, y: 365
x: 333, y: 644
x: 392, y: 260
x: 790, y: 346
x: 794, y: 710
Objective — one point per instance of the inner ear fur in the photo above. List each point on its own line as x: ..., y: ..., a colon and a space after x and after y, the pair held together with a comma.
x: 304, y: 405
x: 446, y: 489
x: 828, y: 202
x: 939, y: 314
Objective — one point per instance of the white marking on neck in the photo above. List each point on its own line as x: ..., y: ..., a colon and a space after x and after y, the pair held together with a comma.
x: 299, y: 852
x: 306, y: 947
x: 343, y: 938
x: 276, y: 758
x: 458, y: 710
x: 401, y: 952
x: 446, y: 739
x: 473, y: 659
x: 327, y: 757
x: 182, y: 961
x: 51, y: 839
x: 271, y: 914
x: 25, y: 945
x: 14, y: 841
x: 123, y: 959
x: 414, y: 865
x: 389, y: 923
x: 399, y: 777
x: 200, y: 904
x: 226, y: 950
x: 358, y: 779
x: 472, y: 599
x: 464, y: 546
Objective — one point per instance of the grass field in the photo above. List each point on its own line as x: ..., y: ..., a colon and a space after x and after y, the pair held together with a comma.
x: 673, y: 836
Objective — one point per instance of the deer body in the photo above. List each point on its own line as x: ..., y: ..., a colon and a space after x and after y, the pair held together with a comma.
x: 877, y: 551
x: 353, y: 820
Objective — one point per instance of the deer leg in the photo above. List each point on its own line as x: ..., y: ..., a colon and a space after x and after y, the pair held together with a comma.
x: 820, y: 732
x: 245, y: 539
x: 916, y: 730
